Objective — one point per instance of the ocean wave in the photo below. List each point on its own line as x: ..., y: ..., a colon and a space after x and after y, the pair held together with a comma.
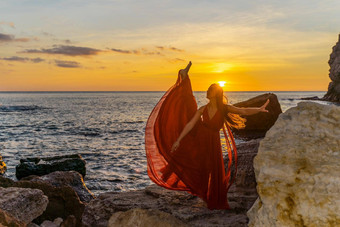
x: 124, y: 131
x: 132, y: 122
x: 20, y: 108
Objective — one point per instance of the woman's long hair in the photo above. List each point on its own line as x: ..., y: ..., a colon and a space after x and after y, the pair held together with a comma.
x: 233, y: 120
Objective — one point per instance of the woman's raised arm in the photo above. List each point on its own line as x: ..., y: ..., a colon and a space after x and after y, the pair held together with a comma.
x: 184, y: 72
x: 248, y: 110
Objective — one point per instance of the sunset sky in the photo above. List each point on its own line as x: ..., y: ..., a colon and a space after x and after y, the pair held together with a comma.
x: 131, y: 45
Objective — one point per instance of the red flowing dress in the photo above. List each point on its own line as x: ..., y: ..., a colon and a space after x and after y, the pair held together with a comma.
x: 197, y: 165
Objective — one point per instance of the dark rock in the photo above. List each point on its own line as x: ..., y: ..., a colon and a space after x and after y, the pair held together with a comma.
x: 245, y: 181
x: 63, y: 200
x: 182, y: 205
x: 25, y: 204
x: 71, y: 178
x: 3, y: 166
x: 70, y: 221
x: 311, y: 98
x: 258, y: 124
x: 42, y: 166
x: 333, y: 93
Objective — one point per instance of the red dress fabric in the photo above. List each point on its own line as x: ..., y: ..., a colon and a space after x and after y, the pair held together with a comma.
x: 197, y: 165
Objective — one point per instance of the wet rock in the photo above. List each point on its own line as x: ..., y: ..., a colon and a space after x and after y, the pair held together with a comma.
x: 6, y: 219
x: 258, y: 124
x: 41, y: 166
x: 181, y: 205
x: 311, y: 98
x: 25, y: 204
x: 297, y: 169
x: 3, y: 166
x: 333, y: 93
x: 138, y: 217
x: 62, y: 200
x: 245, y: 181
x: 71, y: 178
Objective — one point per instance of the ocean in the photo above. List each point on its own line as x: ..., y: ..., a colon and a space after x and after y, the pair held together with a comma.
x: 106, y: 128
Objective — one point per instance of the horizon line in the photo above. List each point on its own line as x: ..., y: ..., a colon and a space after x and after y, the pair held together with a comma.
x: 166, y: 90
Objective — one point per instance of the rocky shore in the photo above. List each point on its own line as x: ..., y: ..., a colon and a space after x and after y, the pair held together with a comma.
x: 64, y: 199
x: 295, y: 178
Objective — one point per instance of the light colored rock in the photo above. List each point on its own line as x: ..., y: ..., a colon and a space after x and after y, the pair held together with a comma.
x: 25, y: 204
x: 48, y: 223
x: 297, y: 169
x: 144, y: 218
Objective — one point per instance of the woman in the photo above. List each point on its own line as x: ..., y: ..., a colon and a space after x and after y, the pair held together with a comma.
x: 183, y: 146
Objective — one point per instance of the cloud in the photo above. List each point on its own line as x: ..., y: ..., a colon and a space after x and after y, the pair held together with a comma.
x: 169, y: 48
x: 21, y: 59
x: 67, y: 64
x: 11, y: 24
x: 142, y: 51
x: 15, y: 58
x: 174, y: 60
x: 66, y: 50
x: 37, y: 60
x: 126, y: 51
x: 11, y: 38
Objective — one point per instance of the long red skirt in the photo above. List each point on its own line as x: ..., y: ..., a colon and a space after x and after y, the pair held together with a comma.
x: 197, y: 165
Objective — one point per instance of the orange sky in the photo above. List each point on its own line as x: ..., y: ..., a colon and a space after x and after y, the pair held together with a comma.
x: 269, y: 48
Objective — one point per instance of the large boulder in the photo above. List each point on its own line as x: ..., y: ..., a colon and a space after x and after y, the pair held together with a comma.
x: 25, y: 204
x: 3, y: 166
x: 41, y: 166
x: 333, y: 93
x: 70, y: 178
x: 63, y: 199
x: 258, y: 124
x: 297, y: 169
x: 138, y: 217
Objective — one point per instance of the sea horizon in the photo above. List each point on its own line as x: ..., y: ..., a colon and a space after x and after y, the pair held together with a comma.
x: 147, y: 91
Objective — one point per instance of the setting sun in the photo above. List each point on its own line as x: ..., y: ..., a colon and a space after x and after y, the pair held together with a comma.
x: 221, y: 83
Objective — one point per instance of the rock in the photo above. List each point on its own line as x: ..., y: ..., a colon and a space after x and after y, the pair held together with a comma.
x: 71, y: 178
x: 258, y: 124
x: 70, y: 221
x: 42, y: 166
x: 63, y: 200
x: 297, y: 169
x: 333, y: 93
x: 311, y: 98
x: 32, y: 225
x: 179, y: 204
x: 6, y: 219
x: 56, y: 223
x: 3, y: 166
x: 138, y: 217
x: 245, y: 181
x: 48, y: 223
x: 25, y: 204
